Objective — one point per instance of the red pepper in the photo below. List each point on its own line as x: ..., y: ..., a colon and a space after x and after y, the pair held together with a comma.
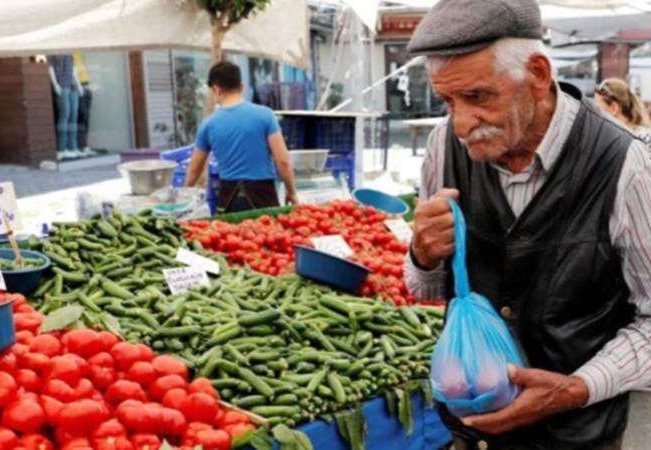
x: 125, y: 354
x: 24, y: 337
x: 168, y: 365
x: 142, y: 372
x: 203, y: 385
x: 45, y: 344
x: 36, y: 442
x: 60, y: 390
x: 8, y: 362
x: 51, y: 407
x: 28, y: 379
x: 108, y: 340
x: 83, y: 342
x: 8, y: 388
x: 64, y: 369
x: 82, y: 416
x: 159, y: 387
x: 37, y: 362
x: 24, y: 415
x: 174, y: 398
x: 146, y: 441
x: 8, y: 438
x: 123, y: 390
x: 199, y: 407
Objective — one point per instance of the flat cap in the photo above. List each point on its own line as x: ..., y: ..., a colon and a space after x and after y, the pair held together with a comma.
x: 454, y: 27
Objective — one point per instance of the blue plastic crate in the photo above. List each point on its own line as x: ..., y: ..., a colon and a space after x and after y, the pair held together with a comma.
x: 336, y: 134
x: 342, y: 164
x: 178, y: 154
x: 293, y: 129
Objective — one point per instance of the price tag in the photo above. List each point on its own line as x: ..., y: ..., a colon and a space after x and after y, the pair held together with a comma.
x: 182, y: 279
x: 400, y: 229
x: 8, y: 207
x: 193, y: 259
x: 334, y: 245
x: 3, y: 285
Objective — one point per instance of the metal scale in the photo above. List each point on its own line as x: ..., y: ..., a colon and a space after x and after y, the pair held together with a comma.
x: 314, y: 183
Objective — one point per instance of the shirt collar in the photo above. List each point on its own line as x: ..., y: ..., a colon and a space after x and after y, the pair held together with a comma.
x: 550, y: 147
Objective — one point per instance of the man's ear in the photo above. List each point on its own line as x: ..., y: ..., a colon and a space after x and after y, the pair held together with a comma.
x: 539, y: 75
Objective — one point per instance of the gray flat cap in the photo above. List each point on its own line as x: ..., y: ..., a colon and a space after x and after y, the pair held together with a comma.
x: 454, y: 27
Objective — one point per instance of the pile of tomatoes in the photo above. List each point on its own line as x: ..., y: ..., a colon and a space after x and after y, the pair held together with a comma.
x: 88, y: 390
x: 266, y: 244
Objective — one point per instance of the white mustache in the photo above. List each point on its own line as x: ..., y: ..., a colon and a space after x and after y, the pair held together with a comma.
x: 482, y: 133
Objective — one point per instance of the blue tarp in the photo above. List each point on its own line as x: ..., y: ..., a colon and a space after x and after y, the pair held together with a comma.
x: 384, y: 430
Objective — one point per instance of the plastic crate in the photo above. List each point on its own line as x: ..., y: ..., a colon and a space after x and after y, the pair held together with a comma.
x: 336, y: 134
x: 344, y: 164
x: 293, y: 129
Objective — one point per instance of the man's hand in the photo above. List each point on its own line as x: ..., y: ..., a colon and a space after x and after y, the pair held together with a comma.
x: 434, y: 229
x: 291, y: 198
x: 543, y: 394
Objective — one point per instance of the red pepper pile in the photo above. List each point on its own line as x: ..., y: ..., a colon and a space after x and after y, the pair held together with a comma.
x: 87, y: 390
x: 266, y: 244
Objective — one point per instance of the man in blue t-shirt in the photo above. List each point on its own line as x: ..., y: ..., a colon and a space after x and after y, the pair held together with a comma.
x: 246, y: 141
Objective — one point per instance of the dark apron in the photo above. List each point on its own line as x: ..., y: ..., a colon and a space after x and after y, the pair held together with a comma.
x: 242, y: 195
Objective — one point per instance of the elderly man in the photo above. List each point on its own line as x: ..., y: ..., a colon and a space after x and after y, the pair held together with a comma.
x: 557, y: 201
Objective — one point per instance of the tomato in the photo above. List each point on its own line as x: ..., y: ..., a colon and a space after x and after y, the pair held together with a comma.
x: 163, y: 384
x: 123, y: 390
x: 26, y: 378
x: 199, y: 407
x: 125, y: 354
x: 238, y: 429
x: 142, y: 372
x: 64, y: 369
x: 59, y: 390
x: 203, y: 385
x: 82, y: 416
x: 146, y: 442
x: 51, y: 407
x: 174, y: 398
x: 45, y: 344
x: 168, y: 365
x: 8, y: 388
x: 23, y: 415
x: 108, y: 340
x: 36, y: 442
x: 83, y: 342
x: 232, y: 418
x: 8, y: 438
x: 213, y: 440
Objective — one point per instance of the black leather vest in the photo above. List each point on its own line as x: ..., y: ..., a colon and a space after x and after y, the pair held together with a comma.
x: 554, y: 267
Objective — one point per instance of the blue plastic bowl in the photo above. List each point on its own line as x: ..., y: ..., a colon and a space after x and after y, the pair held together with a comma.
x: 7, y: 331
x: 327, y: 269
x: 390, y: 204
x: 23, y: 281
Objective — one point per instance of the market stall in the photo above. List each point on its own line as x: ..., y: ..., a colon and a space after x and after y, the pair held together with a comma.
x: 344, y: 371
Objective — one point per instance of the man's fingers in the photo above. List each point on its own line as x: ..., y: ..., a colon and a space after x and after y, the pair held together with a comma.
x: 496, y: 422
x: 448, y: 193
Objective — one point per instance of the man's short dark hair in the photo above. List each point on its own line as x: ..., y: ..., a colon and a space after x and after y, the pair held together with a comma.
x: 225, y: 75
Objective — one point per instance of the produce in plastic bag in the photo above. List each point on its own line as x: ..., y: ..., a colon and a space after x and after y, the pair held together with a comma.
x: 469, y: 362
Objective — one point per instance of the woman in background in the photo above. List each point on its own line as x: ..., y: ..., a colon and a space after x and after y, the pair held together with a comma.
x: 615, y: 97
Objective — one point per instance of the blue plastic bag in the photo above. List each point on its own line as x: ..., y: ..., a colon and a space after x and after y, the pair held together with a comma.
x: 469, y: 362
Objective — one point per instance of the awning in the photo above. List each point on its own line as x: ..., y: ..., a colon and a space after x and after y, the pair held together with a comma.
x: 27, y: 27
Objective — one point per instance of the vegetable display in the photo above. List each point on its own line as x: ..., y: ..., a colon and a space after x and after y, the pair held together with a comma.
x: 12, y: 264
x: 85, y: 389
x: 266, y: 244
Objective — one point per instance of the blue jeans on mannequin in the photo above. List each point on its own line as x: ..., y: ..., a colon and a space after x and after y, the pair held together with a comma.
x: 68, y: 108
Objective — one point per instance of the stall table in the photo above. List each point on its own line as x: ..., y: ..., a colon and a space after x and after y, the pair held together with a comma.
x: 418, y: 126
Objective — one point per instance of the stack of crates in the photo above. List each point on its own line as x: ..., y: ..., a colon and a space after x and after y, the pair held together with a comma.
x: 337, y: 134
x: 182, y: 156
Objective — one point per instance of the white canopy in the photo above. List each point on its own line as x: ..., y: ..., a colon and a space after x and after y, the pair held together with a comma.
x: 53, y: 26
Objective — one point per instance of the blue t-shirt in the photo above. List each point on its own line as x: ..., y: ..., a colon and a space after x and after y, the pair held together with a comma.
x: 237, y: 137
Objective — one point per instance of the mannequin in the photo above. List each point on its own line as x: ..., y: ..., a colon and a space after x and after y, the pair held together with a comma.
x: 67, y: 90
x: 85, y: 101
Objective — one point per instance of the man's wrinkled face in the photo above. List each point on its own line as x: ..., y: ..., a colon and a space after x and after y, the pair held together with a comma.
x: 490, y: 111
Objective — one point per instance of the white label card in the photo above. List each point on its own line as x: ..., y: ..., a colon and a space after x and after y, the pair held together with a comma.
x: 195, y: 260
x: 3, y: 286
x: 334, y: 245
x: 400, y: 229
x: 8, y: 207
x: 182, y: 279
